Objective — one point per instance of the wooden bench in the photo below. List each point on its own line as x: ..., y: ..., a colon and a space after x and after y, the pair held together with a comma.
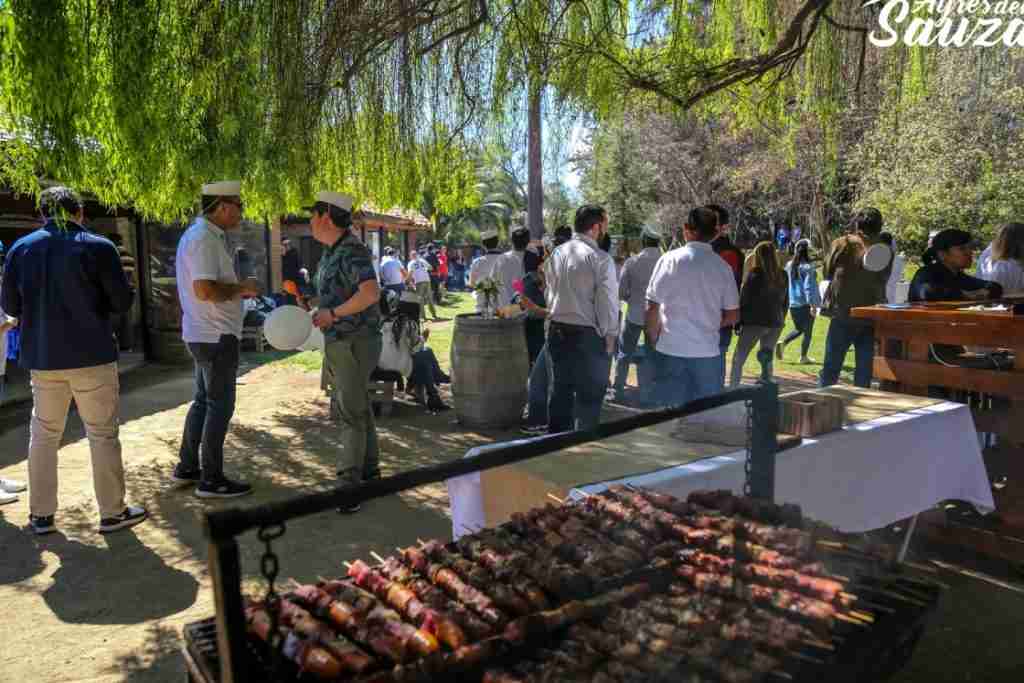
x: 254, y: 334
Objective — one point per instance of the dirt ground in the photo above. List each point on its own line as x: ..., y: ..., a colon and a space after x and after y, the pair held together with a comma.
x: 79, y: 606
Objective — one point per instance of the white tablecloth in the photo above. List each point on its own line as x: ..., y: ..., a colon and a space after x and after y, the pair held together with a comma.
x: 864, y: 477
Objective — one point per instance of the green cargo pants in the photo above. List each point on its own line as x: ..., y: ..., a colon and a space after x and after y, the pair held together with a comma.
x: 349, y: 362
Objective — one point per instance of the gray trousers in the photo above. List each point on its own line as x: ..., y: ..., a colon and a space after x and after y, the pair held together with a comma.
x: 349, y: 362
x: 751, y: 335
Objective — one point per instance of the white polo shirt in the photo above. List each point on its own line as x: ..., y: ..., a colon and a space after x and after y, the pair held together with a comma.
x: 203, y: 255
x: 693, y: 285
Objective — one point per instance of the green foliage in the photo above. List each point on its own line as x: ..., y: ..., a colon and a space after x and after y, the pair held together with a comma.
x: 949, y: 158
x: 140, y: 102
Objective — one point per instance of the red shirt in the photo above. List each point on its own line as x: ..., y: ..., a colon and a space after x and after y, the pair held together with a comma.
x: 442, y: 264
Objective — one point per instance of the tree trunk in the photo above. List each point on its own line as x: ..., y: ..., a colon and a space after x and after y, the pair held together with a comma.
x: 535, y: 178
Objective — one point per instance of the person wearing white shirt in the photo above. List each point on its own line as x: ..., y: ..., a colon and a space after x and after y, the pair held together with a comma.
x: 510, y: 268
x: 211, y: 305
x: 392, y: 274
x: 691, y: 296
x: 487, y: 266
x: 1003, y: 260
x: 633, y: 282
x: 419, y: 272
x: 584, y: 318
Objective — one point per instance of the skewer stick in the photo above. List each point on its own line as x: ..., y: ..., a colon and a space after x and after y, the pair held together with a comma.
x: 848, y: 596
x: 876, y: 607
x: 839, y: 577
x: 421, y: 542
x: 781, y: 674
x: 863, y: 616
x: 293, y: 583
x: 851, y: 620
x: 560, y: 501
x: 348, y: 565
x: 819, y: 645
x: 321, y: 579
x: 400, y: 550
x: 377, y: 557
x: 805, y: 658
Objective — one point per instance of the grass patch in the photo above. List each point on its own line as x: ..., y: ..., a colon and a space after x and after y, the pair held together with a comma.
x: 462, y: 302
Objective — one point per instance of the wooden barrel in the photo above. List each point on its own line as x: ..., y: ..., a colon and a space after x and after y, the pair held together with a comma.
x: 490, y: 368
x: 167, y: 347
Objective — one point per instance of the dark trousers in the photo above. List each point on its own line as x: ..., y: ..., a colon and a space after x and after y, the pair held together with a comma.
x: 578, y: 369
x: 426, y: 371
x: 804, y: 322
x: 534, y: 339
x: 843, y: 332
x: 206, y: 425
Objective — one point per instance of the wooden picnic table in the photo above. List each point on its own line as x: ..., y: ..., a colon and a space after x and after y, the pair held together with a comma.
x: 902, y: 363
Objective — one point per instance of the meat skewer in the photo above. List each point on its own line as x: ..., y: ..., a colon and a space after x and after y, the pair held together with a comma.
x: 307, y: 655
x: 406, y: 602
x: 517, y: 595
x: 812, y: 586
x: 544, y: 567
x: 360, y: 616
x: 350, y: 657
x: 453, y: 584
x: 475, y: 627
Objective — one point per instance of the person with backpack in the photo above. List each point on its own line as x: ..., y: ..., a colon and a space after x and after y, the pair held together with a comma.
x: 804, y: 300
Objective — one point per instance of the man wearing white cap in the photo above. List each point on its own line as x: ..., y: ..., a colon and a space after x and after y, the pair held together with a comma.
x: 486, y: 266
x: 211, y: 326
x: 636, y: 275
x: 348, y: 312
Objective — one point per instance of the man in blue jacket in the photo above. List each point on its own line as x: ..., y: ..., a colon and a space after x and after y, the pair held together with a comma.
x: 64, y: 284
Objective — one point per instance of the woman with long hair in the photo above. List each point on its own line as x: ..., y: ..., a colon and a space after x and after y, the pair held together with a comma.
x: 1003, y: 260
x: 804, y: 300
x: 764, y: 299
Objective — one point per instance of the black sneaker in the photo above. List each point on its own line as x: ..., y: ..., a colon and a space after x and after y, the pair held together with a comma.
x: 182, y: 476
x: 534, y: 430
x: 351, y: 510
x: 436, y: 405
x: 41, y: 525
x: 129, y: 517
x: 222, y: 488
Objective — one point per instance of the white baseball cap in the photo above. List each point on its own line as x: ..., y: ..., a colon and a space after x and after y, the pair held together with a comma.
x: 488, y: 234
x: 223, y: 188
x: 336, y: 199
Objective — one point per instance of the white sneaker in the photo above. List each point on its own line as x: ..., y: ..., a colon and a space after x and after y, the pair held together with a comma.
x: 6, y: 498
x: 12, y: 486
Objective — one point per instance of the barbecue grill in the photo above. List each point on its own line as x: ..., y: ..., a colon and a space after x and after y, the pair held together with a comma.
x: 613, y: 603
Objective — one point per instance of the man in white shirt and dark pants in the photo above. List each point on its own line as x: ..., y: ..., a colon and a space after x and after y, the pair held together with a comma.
x: 419, y: 273
x: 584, y: 319
x: 392, y: 274
x: 636, y: 275
x: 692, y: 295
x: 211, y: 305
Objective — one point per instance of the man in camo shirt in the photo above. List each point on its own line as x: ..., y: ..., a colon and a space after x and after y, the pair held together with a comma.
x: 348, y: 312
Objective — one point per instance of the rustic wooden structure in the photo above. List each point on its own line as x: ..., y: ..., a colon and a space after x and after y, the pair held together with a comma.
x: 903, y: 337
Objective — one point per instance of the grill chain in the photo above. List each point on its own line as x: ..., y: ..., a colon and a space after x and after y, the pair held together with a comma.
x: 270, y: 568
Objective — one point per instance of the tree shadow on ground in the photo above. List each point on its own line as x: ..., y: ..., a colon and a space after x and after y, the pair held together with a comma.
x: 158, y: 660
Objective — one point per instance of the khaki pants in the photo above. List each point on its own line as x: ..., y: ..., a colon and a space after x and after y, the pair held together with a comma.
x: 350, y: 361
x: 426, y: 299
x: 96, y: 391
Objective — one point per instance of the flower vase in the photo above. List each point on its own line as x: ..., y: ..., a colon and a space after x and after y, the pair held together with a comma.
x: 490, y: 311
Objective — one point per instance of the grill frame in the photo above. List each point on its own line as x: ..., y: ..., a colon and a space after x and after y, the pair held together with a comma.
x: 235, y: 655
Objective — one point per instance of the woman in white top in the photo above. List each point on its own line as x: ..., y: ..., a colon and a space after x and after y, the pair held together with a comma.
x: 1003, y: 260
